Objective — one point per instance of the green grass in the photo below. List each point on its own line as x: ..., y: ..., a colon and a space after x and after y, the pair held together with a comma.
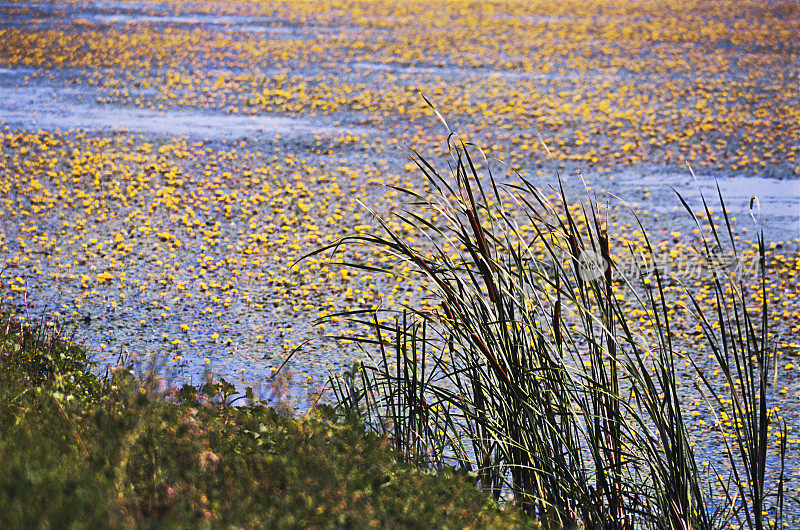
x: 532, y: 374
x: 79, y: 451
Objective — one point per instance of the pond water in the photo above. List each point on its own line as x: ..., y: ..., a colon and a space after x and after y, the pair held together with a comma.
x: 252, y: 334
x: 153, y: 209
x: 51, y: 108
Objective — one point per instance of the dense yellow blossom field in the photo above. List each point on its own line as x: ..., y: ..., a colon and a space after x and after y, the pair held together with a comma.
x: 164, y: 165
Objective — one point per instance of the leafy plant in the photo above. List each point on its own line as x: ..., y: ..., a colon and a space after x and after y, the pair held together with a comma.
x: 84, y: 451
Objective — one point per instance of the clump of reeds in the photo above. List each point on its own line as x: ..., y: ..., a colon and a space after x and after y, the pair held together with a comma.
x: 526, y: 368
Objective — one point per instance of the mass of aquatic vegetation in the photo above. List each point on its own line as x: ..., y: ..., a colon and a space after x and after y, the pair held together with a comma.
x: 526, y: 365
x: 526, y: 347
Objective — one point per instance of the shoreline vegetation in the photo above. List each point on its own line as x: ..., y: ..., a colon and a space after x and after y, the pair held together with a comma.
x: 120, y: 451
x: 535, y: 364
x: 523, y: 381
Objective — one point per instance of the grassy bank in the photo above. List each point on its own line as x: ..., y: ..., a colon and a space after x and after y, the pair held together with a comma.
x: 83, y: 451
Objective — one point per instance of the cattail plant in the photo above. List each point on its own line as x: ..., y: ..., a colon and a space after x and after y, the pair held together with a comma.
x: 525, y: 367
